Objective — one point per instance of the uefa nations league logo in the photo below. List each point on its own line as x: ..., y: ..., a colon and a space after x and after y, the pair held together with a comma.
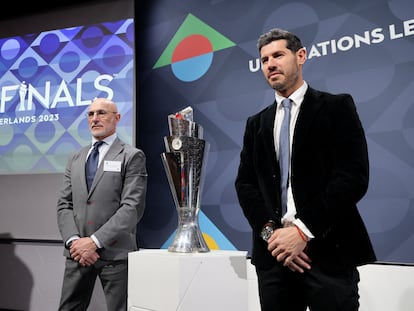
x: 190, y: 51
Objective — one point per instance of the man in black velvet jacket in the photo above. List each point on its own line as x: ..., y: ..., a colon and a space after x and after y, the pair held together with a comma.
x: 309, y: 255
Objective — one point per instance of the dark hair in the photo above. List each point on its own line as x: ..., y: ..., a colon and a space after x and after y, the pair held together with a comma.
x: 293, y: 43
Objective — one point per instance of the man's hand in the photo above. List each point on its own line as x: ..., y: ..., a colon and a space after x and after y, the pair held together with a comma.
x: 287, y: 246
x: 83, y: 250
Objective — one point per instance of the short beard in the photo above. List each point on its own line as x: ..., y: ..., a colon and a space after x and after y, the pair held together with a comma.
x: 279, y: 87
x: 282, y: 88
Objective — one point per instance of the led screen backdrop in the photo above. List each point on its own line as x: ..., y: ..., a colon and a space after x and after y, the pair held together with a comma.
x: 47, y: 81
x: 52, y: 64
x: 203, y: 54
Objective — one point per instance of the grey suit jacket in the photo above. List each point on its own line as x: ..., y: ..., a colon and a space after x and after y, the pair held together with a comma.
x: 114, y: 204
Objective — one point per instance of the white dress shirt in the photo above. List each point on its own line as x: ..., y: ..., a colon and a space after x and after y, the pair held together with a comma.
x: 297, y: 99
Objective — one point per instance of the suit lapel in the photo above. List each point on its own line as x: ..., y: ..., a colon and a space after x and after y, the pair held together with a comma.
x: 82, y: 157
x: 116, y: 148
x: 310, y: 106
x: 266, y: 131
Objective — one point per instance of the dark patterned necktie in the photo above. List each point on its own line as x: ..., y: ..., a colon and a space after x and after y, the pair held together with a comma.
x: 284, y: 151
x: 92, y: 163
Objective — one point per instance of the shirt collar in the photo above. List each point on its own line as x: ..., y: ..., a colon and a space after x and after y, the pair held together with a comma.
x: 108, y: 140
x: 297, y: 96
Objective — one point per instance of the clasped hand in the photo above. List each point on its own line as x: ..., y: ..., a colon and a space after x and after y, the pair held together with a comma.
x: 83, y: 250
x: 287, y: 246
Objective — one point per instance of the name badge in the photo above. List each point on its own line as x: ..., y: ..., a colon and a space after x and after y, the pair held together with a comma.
x: 112, y: 166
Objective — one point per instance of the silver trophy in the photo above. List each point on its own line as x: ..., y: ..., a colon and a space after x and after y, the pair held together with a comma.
x: 184, y: 163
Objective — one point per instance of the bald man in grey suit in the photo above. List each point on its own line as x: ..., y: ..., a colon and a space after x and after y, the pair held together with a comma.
x: 98, y: 226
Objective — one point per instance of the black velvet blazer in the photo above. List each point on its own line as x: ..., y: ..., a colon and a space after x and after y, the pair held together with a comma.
x: 329, y: 175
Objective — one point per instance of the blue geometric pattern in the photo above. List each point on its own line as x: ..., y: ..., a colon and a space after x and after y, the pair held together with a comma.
x: 48, y: 80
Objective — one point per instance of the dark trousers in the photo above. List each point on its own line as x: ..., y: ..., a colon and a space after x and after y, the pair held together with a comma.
x: 326, y: 287
x: 79, y: 282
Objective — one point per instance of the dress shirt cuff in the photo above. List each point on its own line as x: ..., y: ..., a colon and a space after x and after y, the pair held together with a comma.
x: 304, y: 229
x: 70, y: 240
x: 96, y: 241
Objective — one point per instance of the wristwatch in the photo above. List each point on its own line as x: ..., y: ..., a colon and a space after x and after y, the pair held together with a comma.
x: 267, y: 230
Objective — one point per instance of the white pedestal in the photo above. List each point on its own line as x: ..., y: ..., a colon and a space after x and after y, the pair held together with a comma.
x: 386, y: 287
x: 159, y: 280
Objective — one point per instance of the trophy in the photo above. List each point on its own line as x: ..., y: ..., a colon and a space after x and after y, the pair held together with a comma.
x: 184, y: 163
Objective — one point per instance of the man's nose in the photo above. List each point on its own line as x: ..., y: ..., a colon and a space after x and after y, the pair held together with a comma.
x: 272, y: 62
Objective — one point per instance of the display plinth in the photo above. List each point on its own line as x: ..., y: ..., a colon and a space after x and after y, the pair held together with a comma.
x: 159, y: 280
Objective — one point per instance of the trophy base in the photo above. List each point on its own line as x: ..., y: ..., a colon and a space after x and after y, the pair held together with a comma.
x: 188, y: 239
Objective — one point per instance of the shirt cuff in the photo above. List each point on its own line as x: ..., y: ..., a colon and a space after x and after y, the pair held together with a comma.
x: 98, y: 244
x: 70, y: 240
x: 304, y: 229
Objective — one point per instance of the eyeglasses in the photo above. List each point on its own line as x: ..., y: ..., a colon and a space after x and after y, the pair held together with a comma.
x: 100, y: 113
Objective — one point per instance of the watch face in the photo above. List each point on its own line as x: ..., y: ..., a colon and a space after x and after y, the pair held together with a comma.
x: 176, y: 143
x: 266, y: 233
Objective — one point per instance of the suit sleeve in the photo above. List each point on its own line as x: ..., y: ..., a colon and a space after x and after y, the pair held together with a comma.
x: 251, y: 190
x: 65, y: 215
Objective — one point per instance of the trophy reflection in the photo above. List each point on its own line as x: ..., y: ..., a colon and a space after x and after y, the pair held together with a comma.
x: 184, y: 163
